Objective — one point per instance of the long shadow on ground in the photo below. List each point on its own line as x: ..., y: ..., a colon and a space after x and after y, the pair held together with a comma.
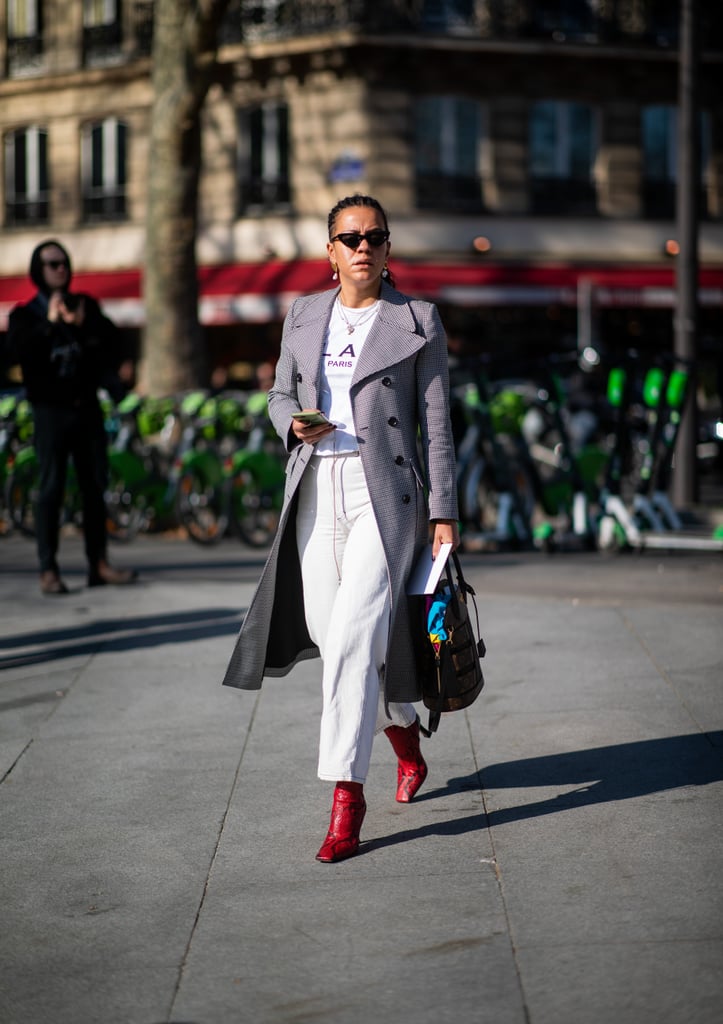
x: 600, y: 775
x: 123, y: 634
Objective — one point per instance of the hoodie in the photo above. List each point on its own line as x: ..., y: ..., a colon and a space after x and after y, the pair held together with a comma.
x: 36, y: 265
x: 63, y: 364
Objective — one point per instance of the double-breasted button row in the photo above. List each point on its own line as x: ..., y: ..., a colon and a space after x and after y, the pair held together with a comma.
x: 387, y: 382
x: 405, y: 499
x: 393, y: 421
x: 399, y: 460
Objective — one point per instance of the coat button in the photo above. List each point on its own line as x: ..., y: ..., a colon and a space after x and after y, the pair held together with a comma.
x: 392, y: 421
x: 387, y: 382
x: 299, y: 377
x: 399, y: 460
x: 405, y: 499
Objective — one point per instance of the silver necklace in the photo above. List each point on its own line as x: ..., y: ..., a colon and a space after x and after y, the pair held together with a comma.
x: 366, y: 314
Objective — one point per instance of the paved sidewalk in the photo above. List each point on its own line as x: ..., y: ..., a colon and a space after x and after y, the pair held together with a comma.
x: 562, y: 865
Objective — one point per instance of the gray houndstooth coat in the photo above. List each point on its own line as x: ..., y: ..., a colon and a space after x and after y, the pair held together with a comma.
x: 400, y: 398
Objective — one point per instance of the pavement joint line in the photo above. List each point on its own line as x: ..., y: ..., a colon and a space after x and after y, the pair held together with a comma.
x: 17, y: 759
x: 494, y: 861
x: 214, y: 855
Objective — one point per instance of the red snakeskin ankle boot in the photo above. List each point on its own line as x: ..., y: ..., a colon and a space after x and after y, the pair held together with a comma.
x: 412, y: 768
x: 347, y: 815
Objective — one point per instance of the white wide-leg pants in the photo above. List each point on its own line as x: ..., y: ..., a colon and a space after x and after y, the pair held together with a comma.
x: 346, y: 598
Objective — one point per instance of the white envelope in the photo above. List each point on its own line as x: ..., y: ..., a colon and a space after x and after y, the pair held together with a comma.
x: 427, y: 570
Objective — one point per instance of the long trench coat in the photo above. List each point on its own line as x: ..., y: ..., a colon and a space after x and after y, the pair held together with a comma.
x: 400, y: 401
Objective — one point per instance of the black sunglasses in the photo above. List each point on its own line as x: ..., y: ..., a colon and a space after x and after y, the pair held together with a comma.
x: 353, y: 239
x: 55, y: 264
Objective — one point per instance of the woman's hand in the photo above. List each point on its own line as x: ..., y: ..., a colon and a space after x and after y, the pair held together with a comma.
x: 446, y: 531
x: 307, y: 432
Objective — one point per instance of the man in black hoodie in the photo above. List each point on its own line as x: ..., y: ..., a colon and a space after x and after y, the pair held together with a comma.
x: 67, y: 349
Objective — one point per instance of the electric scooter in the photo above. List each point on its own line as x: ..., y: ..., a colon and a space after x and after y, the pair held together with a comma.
x: 652, y: 521
x: 496, y: 496
x: 575, y: 468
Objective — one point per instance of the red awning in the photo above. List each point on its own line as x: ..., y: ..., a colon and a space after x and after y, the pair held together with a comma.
x: 262, y: 292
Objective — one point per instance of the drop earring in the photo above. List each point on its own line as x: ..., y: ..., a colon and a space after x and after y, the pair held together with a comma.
x: 385, y: 272
x: 334, y: 276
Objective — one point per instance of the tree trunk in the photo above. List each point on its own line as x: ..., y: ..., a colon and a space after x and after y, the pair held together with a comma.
x: 184, y: 64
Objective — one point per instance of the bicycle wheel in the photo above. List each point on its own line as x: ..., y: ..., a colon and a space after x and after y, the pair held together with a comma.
x: 21, y: 496
x: 255, y: 510
x: 200, y: 508
x: 124, y: 518
x: 513, y: 519
x: 6, y: 520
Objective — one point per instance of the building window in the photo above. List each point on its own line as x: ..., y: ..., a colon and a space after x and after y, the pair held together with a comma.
x: 103, y: 155
x: 660, y: 159
x: 448, y: 15
x: 265, y: 18
x: 142, y: 26
x: 263, y: 161
x: 562, y: 153
x: 448, y: 153
x: 26, y: 176
x: 567, y: 19
x: 102, y: 31
x: 25, y: 36
x: 276, y: 19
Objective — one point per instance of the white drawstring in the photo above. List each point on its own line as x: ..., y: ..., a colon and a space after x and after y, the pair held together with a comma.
x: 341, y: 458
x: 333, y: 498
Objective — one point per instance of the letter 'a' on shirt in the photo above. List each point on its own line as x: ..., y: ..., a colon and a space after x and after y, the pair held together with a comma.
x: 338, y: 363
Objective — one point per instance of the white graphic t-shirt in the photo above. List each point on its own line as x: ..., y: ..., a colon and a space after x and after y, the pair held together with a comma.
x: 338, y: 362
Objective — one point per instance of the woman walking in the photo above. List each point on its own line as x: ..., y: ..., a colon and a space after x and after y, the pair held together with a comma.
x: 359, y: 506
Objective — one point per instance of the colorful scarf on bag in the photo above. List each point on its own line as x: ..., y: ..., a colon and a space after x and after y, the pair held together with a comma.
x: 436, y: 608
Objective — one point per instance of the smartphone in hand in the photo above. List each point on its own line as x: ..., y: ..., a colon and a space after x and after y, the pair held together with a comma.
x: 312, y: 418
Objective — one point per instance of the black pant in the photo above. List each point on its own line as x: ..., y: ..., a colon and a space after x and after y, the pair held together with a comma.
x: 78, y: 433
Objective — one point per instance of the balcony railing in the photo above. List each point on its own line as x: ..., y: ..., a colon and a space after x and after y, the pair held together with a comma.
x: 563, y: 196
x: 249, y: 20
x: 263, y: 194
x: 453, y: 193
x: 24, y: 55
x: 143, y: 26
x: 659, y: 200
x: 648, y: 23
x: 102, y: 43
x: 22, y: 211
x: 104, y: 204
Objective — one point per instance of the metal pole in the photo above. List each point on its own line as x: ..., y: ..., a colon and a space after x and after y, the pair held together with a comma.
x: 584, y: 314
x: 685, y: 476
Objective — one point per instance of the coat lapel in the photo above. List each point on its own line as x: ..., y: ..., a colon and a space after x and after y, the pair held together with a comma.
x: 393, y: 336
x: 309, y: 338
